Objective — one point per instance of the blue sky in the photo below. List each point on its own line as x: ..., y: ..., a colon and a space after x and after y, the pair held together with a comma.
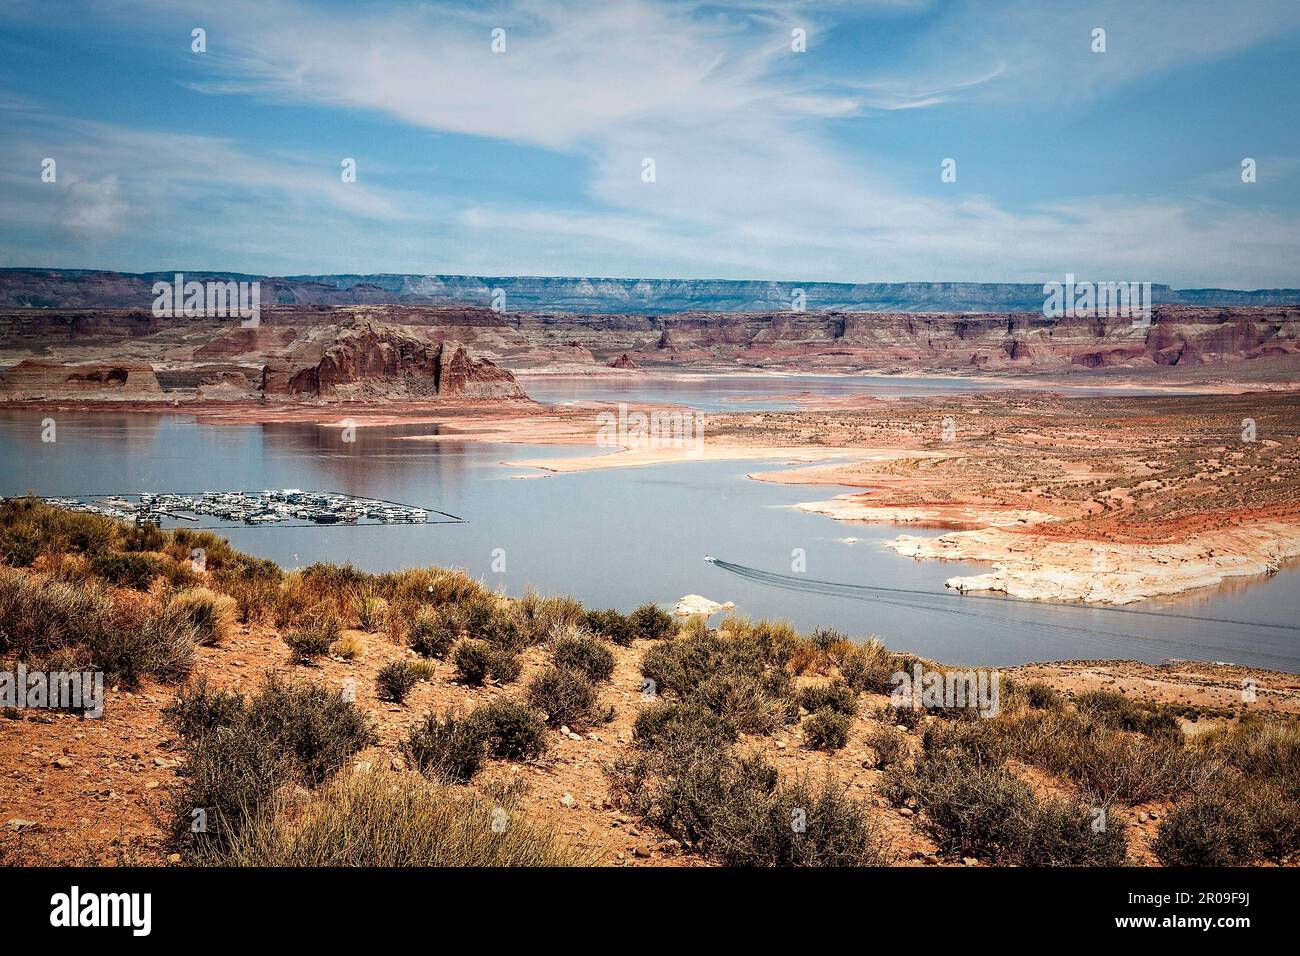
x: 770, y: 163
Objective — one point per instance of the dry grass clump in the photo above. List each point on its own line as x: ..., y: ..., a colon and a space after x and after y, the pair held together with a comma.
x: 395, y: 680
x: 30, y: 528
x: 384, y: 819
x: 212, y: 615
x: 62, y: 626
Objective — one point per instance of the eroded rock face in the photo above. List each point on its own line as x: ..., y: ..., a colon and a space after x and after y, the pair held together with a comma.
x: 33, y: 378
x: 367, y: 359
x: 624, y: 361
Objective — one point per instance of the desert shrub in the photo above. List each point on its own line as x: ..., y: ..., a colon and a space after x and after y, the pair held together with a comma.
x: 664, y: 722
x: 433, y: 632
x: 433, y: 586
x: 1260, y: 749
x: 735, y: 810
x: 1110, y: 709
x: 160, y: 645
x: 736, y: 675
x: 39, y: 615
x: 370, y: 610
x: 448, y: 746
x: 979, y: 809
x: 510, y: 729
x: 145, y: 537
x: 827, y: 729
x: 1043, y: 696
x: 476, y: 661
x: 256, y: 599
x: 1109, y: 765
x: 308, y: 643
x: 747, y: 700
x: 473, y: 660
x: 887, y: 746
x: 212, y: 614
x: 494, y: 619
x: 869, y: 667
x: 903, y: 716
x: 838, y: 696
x: 824, y: 638
x: 347, y: 647
x: 29, y: 528
x: 579, y: 651
x: 129, y: 570
x: 613, y: 625
x: 564, y: 696
x: 386, y: 820
x: 1210, y: 828
x: 239, y: 750
x: 650, y: 622
x: 395, y: 680
x: 540, y: 617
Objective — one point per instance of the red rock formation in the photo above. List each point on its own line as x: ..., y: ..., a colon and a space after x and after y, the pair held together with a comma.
x: 366, y: 359
x: 34, y: 378
x: 623, y: 361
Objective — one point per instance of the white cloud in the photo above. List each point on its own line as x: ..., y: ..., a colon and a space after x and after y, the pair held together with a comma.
x: 748, y: 184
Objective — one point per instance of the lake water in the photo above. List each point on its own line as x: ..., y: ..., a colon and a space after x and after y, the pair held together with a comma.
x: 619, y: 537
x: 765, y: 391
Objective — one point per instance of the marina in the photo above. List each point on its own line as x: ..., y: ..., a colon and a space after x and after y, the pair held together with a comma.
x: 288, y: 507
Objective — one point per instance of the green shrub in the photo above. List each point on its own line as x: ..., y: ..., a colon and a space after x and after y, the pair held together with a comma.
x: 827, y: 729
x: 510, y: 730
x: 613, y: 625
x: 564, y: 696
x: 240, y: 750
x: 448, y: 746
x: 735, y: 811
x: 433, y: 632
x: 473, y: 660
x: 581, y: 652
x: 824, y: 638
x: 662, y: 723
x: 649, y: 622
x: 1206, y: 829
x: 838, y: 696
x: 395, y: 680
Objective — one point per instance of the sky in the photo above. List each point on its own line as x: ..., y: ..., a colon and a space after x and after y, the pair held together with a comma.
x: 772, y: 158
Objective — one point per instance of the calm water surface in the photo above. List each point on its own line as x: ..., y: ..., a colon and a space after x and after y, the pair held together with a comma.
x: 617, y: 537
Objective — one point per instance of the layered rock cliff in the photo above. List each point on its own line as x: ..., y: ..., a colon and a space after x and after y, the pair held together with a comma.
x: 365, y: 359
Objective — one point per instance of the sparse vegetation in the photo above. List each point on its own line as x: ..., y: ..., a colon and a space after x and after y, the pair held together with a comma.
x: 579, y: 651
x: 564, y: 696
x: 395, y: 680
